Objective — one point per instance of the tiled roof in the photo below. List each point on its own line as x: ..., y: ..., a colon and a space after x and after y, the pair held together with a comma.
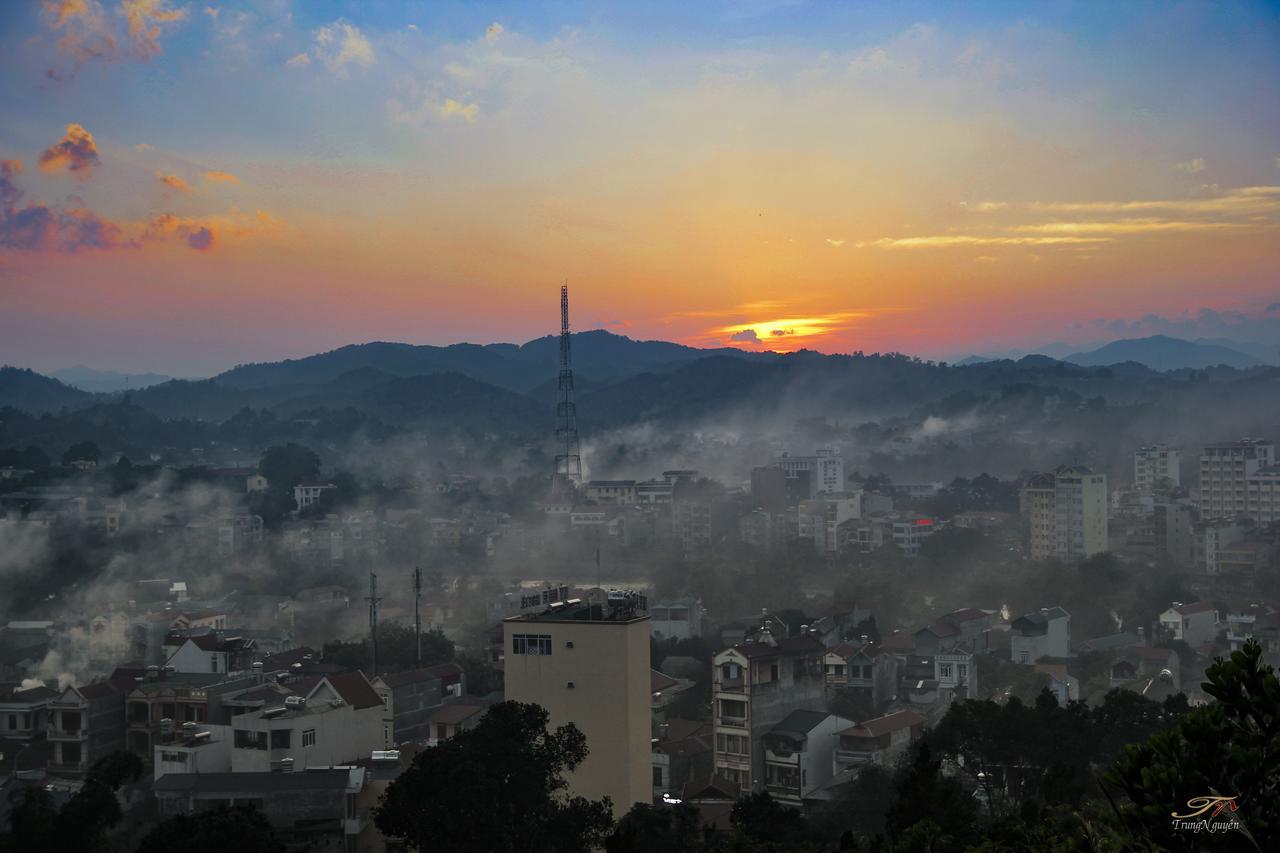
x: 678, y: 729
x: 99, y: 690
x: 236, y: 783
x: 886, y: 724
x: 285, y: 659
x: 799, y: 722
x: 713, y: 787
x: 1194, y: 607
x: 659, y: 682
x: 966, y: 614
x: 408, y: 676
x: 451, y: 715
x: 355, y: 689
x: 789, y: 646
x: 941, y: 629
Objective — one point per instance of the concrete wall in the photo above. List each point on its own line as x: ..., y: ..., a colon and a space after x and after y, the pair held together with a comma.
x: 608, y: 668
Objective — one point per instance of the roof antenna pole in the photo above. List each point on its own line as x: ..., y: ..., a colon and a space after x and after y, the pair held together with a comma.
x: 417, y: 619
x: 568, y: 462
x: 373, y: 600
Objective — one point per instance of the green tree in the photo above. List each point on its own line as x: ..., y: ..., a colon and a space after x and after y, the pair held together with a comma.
x: 397, y: 649
x: 1228, y: 748
x: 921, y: 793
x: 83, y: 451
x: 762, y: 818
x: 497, y: 788
x: 648, y: 827
x: 286, y: 466
x: 240, y: 828
x: 82, y: 824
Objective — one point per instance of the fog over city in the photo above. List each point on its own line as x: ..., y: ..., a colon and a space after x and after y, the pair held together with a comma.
x: 735, y: 427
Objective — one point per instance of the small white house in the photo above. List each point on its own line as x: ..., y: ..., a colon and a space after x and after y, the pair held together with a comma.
x: 1043, y: 633
x: 1195, y: 624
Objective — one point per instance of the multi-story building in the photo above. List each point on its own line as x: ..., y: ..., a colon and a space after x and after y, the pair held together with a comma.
x: 1225, y: 470
x: 1039, y: 634
x: 85, y: 724
x: 1173, y: 526
x: 879, y: 741
x: 587, y: 662
x: 308, y: 494
x: 679, y: 619
x: 307, y: 811
x: 824, y: 470
x: 864, y: 669
x: 1211, y: 538
x: 1263, y: 495
x: 336, y: 719
x: 159, y: 703
x: 769, y: 489
x: 818, y: 520
x: 1066, y: 513
x: 1196, y: 624
x: 411, y: 697
x: 754, y: 686
x: 798, y: 754
x: 208, y: 652
x: 611, y: 491
x: 956, y: 673
x: 1156, y: 467
x: 1037, y: 499
x: 24, y: 712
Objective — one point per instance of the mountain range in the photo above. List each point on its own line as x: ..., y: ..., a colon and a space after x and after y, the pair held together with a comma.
x: 88, y: 379
x: 1157, y: 352
x: 508, y: 389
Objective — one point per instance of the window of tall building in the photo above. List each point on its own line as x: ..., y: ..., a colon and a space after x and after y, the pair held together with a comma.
x: 531, y: 644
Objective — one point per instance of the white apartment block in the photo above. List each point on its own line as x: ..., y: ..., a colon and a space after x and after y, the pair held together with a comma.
x: 825, y: 470
x: 1225, y: 472
x: 1155, y: 465
x: 338, y: 720
x: 1263, y: 495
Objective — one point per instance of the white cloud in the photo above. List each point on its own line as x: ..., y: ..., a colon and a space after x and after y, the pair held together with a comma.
x: 492, y: 32
x: 458, y: 72
x: 341, y: 44
x: 835, y: 242
x: 455, y: 109
x: 1196, y: 164
x: 299, y: 61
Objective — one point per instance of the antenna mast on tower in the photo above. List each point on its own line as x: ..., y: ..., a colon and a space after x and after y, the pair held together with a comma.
x: 373, y: 600
x: 568, y: 462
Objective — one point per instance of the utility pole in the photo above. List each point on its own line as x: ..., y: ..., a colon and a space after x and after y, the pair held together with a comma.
x: 373, y: 620
x: 417, y: 619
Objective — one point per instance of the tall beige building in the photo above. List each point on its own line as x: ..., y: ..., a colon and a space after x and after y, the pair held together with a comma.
x: 1066, y: 513
x: 587, y: 663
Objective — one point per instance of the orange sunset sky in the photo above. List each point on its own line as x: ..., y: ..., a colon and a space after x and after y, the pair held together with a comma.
x: 186, y: 186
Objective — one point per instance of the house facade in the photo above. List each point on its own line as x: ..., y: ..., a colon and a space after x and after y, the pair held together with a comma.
x: 754, y: 687
x: 798, y: 754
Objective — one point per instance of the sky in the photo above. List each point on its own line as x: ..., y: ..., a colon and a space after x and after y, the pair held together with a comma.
x: 189, y: 186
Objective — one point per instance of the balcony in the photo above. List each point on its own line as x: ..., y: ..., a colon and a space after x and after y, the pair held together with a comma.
x: 68, y: 734
x: 788, y: 793
x: 731, y: 685
x: 728, y: 720
x: 854, y: 757
x: 65, y: 769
